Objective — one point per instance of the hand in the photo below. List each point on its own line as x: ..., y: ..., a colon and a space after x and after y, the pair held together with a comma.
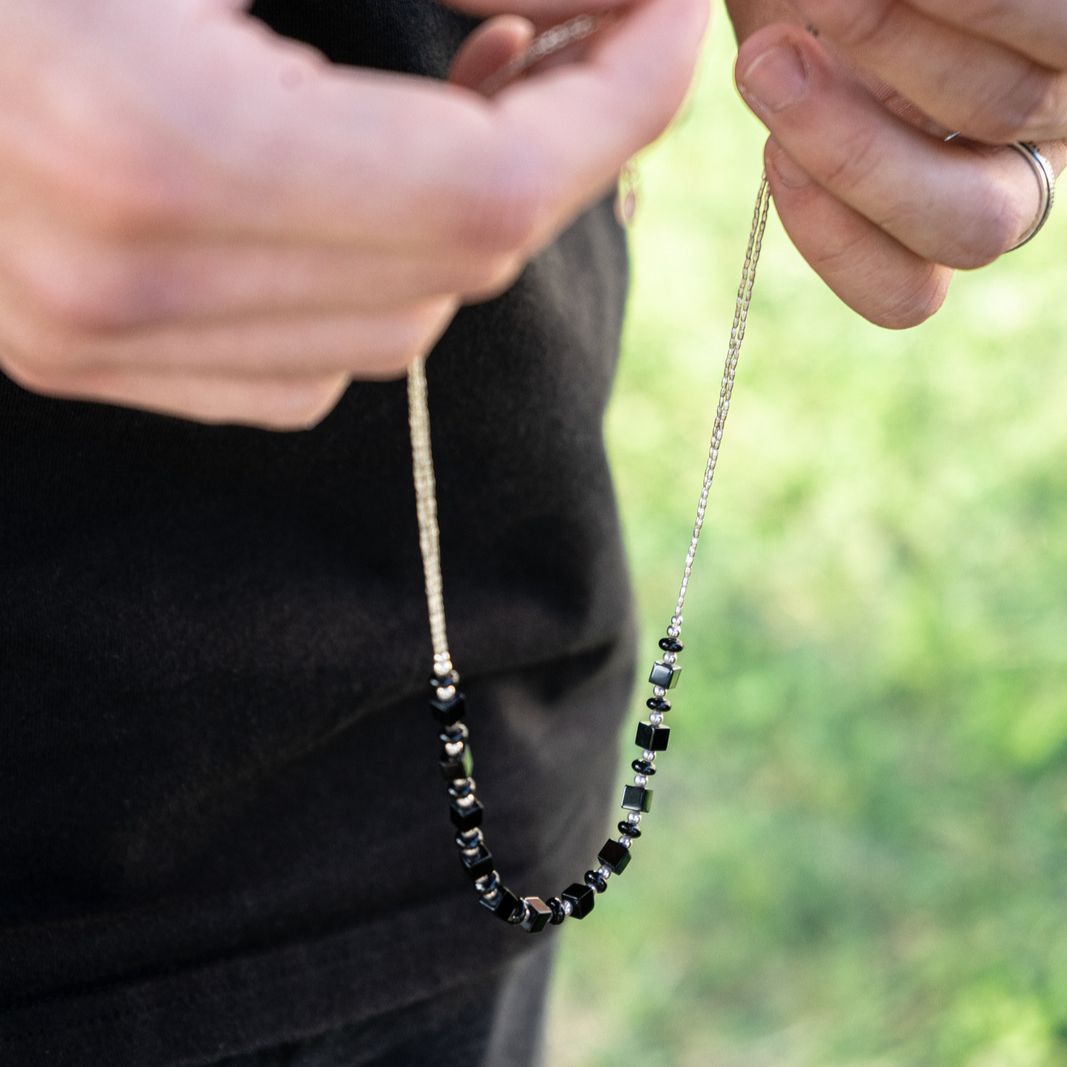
x: 871, y: 195
x: 203, y: 219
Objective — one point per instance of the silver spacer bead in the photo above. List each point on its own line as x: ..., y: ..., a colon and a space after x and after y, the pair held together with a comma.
x: 604, y: 872
x: 648, y: 755
x: 656, y: 718
x: 465, y: 802
x: 568, y: 907
x: 471, y: 851
x: 673, y: 631
x: 454, y: 748
x: 640, y: 779
x: 659, y: 691
x: 446, y: 692
x: 625, y: 840
x: 670, y: 658
x: 634, y: 818
x: 676, y: 621
x: 442, y: 664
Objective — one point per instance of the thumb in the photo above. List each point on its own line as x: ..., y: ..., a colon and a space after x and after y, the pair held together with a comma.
x: 489, y: 49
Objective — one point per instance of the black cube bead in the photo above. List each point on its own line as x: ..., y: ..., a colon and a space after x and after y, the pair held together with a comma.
x: 504, y: 904
x: 448, y: 712
x: 614, y: 856
x: 581, y: 898
x: 466, y: 816
x: 665, y: 675
x: 454, y: 767
x: 671, y: 644
x: 637, y: 798
x: 479, y: 864
x: 538, y: 915
x: 654, y: 738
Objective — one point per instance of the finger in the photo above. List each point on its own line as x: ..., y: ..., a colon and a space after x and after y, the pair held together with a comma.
x: 282, y: 404
x: 966, y: 82
x: 539, y: 10
x: 490, y: 47
x: 870, y: 271
x: 1038, y: 30
x: 953, y: 204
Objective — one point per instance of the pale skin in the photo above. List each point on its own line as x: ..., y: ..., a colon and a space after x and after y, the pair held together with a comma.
x: 205, y: 220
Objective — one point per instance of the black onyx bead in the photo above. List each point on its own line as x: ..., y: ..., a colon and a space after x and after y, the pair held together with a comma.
x: 464, y: 789
x: 630, y: 830
x: 469, y: 838
x: 538, y: 915
x: 504, y: 905
x: 637, y: 798
x: 665, y: 675
x: 449, y: 712
x: 445, y: 680
x: 488, y: 884
x: 453, y: 767
x: 671, y: 644
x: 595, y: 880
x: 454, y: 732
x: 658, y: 704
x: 555, y: 905
x: 466, y: 817
x: 644, y: 766
x: 479, y: 865
x: 654, y: 738
x: 615, y: 856
x: 581, y: 898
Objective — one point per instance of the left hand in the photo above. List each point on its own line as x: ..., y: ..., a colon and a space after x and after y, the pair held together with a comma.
x: 881, y: 207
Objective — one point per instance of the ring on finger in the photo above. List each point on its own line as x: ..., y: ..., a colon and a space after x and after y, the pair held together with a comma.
x: 1046, y: 181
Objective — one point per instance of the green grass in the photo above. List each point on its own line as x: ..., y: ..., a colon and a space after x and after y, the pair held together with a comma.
x: 858, y: 856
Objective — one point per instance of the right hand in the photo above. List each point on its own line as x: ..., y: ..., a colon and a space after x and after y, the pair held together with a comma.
x: 203, y: 219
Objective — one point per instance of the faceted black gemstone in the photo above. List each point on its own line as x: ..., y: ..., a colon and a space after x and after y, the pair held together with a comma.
x: 665, y: 675
x: 644, y: 766
x: 637, y: 798
x: 654, y: 738
x: 555, y: 905
x: 455, y: 732
x: 658, y: 704
x: 595, y: 880
x: 479, y: 864
x: 449, y: 712
x: 630, y: 830
x: 464, y: 789
x: 466, y: 817
x: 505, y: 905
x: 671, y: 644
x: 581, y: 897
x: 540, y: 915
x: 614, y: 855
x: 453, y: 767
x: 452, y: 678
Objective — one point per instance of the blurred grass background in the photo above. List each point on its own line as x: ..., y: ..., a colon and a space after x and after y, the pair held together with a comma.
x: 857, y: 854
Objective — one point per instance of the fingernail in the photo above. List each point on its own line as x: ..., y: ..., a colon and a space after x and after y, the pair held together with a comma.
x: 789, y: 173
x: 775, y: 79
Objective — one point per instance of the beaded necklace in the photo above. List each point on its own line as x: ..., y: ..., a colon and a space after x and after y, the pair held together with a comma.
x: 448, y: 705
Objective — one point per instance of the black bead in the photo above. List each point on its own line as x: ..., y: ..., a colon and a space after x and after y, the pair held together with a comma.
x: 595, y: 880
x: 665, y: 675
x: 539, y: 915
x: 453, y: 767
x: 454, y: 732
x: 488, y: 884
x: 464, y: 789
x: 505, y: 905
x: 644, y: 766
x: 671, y: 644
x: 581, y: 898
x: 615, y: 856
x: 479, y: 864
x: 469, y: 838
x: 555, y: 905
x: 449, y: 712
x: 630, y: 830
x: 445, y: 680
x: 653, y: 738
x: 636, y: 798
x: 658, y: 704
x: 466, y: 817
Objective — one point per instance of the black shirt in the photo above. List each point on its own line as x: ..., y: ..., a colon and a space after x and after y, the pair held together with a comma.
x: 222, y: 820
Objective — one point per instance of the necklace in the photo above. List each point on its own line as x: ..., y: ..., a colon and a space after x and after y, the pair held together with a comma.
x: 448, y: 704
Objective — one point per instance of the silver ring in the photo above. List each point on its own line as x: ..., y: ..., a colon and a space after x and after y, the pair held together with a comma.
x: 1046, y: 181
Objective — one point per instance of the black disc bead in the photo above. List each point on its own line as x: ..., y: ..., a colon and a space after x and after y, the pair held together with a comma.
x: 671, y: 644
x: 464, y: 789
x: 445, y: 680
x: 658, y: 704
x: 453, y: 732
x: 629, y: 829
x: 595, y: 880
x: 644, y: 766
x: 558, y: 914
x: 469, y: 838
x: 488, y: 884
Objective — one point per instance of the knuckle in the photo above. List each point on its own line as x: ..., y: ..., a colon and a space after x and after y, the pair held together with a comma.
x: 851, y: 24
x: 857, y: 158
x: 1033, y: 102
x: 998, y: 223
